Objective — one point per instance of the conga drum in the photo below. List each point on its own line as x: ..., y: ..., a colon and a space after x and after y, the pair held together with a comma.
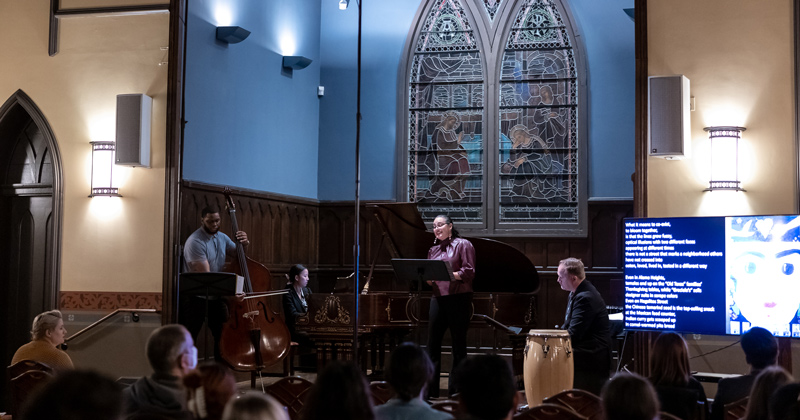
x: 548, y: 367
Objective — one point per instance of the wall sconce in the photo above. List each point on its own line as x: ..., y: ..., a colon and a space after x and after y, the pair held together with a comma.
x: 295, y: 62
x: 103, y: 169
x: 343, y: 4
x: 232, y: 34
x: 724, y: 158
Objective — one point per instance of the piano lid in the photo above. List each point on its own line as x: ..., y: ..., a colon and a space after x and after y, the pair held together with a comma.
x: 499, y: 267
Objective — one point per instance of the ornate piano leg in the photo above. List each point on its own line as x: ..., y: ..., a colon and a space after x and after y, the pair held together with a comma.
x: 381, y: 352
x: 374, y: 353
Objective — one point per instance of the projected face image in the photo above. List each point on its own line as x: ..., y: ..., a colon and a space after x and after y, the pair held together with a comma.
x: 764, y: 264
x: 767, y: 285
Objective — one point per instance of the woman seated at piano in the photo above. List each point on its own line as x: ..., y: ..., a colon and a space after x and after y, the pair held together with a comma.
x: 451, y: 305
x: 47, y: 333
x: 295, y: 303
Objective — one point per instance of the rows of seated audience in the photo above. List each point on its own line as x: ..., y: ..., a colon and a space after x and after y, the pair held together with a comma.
x: 486, y: 389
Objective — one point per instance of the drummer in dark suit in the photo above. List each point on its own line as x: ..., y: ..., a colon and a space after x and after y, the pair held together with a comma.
x: 295, y: 303
x: 586, y: 321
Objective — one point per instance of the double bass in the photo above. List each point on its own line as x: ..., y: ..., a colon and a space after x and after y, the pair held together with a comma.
x: 254, y: 336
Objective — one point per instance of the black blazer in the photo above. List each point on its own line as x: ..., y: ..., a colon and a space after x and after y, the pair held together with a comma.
x: 589, y: 330
x: 292, y: 307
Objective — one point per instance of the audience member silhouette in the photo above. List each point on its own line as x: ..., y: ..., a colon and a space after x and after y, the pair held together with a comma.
x: 486, y: 388
x: 172, y: 354
x: 409, y: 370
x: 678, y: 392
x: 767, y: 382
x: 75, y: 395
x: 341, y: 392
x: 629, y: 396
x: 760, y: 350
x: 254, y: 406
x: 209, y: 388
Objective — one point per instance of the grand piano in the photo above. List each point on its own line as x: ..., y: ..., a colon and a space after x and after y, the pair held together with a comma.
x: 505, y: 283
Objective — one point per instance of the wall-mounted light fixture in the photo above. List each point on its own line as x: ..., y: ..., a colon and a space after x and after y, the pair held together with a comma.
x: 232, y: 34
x: 343, y: 4
x: 103, y: 169
x: 724, y: 158
x: 295, y: 62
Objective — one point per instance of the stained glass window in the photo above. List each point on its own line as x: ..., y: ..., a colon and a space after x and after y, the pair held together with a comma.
x: 522, y: 170
x: 491, y: 7
x: 446, y: 100
x: 538, y: 102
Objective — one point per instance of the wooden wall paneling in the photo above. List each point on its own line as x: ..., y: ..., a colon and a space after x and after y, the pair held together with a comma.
x: 331, y: 250
x: 556, y: 251
x: 283, y: 230
x: 581, y: 249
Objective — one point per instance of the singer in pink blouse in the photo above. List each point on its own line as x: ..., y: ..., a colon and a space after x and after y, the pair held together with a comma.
x: 451, y: 305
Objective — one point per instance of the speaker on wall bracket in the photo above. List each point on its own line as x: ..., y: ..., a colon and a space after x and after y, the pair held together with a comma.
x: 134, y: 112
x: 669, y: 123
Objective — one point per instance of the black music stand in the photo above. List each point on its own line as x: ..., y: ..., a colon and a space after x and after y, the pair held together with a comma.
x: 206, y: 285
x: 418, y: 271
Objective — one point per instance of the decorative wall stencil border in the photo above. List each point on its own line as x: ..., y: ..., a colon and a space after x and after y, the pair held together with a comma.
x: 109, y: 300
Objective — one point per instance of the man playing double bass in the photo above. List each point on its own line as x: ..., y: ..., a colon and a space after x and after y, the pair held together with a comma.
x: 206, y: 250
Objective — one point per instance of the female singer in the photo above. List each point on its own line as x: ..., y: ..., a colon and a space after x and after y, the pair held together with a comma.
x: 451, y: 305
x: 295, y: 303
x: 47, y: 332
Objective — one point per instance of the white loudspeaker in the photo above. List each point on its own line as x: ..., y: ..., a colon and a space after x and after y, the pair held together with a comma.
x: 669, y: 125
x: 134, y: 113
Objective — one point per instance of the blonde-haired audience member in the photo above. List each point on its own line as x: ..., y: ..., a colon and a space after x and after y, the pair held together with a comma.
x: 47, y: 332
x: 621, y: 390
x: 767, y: 382
x: 254, y: 406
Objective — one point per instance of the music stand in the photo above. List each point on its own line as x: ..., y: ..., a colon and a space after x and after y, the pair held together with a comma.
x: 206, y: 285
x: 418, y: 271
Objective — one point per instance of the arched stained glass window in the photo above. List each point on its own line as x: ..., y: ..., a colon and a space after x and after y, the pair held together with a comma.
x: 497, y: 149
x: 445, y: 116
x: 538, y: 127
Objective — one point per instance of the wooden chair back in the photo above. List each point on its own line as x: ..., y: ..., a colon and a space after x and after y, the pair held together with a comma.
x: 290, y: 391
x: 736, y: 409
x: 448, y: 406
x: 25, y: 365
x: 546, y: 411
x: 381, y: 392
x: 667, y: 416
x: 25, y: 384
x: 582, y: 402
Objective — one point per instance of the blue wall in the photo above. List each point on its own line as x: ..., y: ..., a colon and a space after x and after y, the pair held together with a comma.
x: 250, y: 125
x: 384, y: 31
x: 608, y: 35
x: 609, y: 41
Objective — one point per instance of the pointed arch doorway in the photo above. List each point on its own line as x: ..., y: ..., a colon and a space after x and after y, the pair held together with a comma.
x: 30, y: 219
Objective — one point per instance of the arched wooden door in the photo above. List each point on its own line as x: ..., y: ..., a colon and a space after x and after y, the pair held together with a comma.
x: 30, y: 215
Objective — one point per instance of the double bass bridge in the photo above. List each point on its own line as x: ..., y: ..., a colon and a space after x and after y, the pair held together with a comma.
x: 250, y: 315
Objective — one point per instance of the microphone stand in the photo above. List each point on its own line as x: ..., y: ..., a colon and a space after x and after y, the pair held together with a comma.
x: 356, y: 250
